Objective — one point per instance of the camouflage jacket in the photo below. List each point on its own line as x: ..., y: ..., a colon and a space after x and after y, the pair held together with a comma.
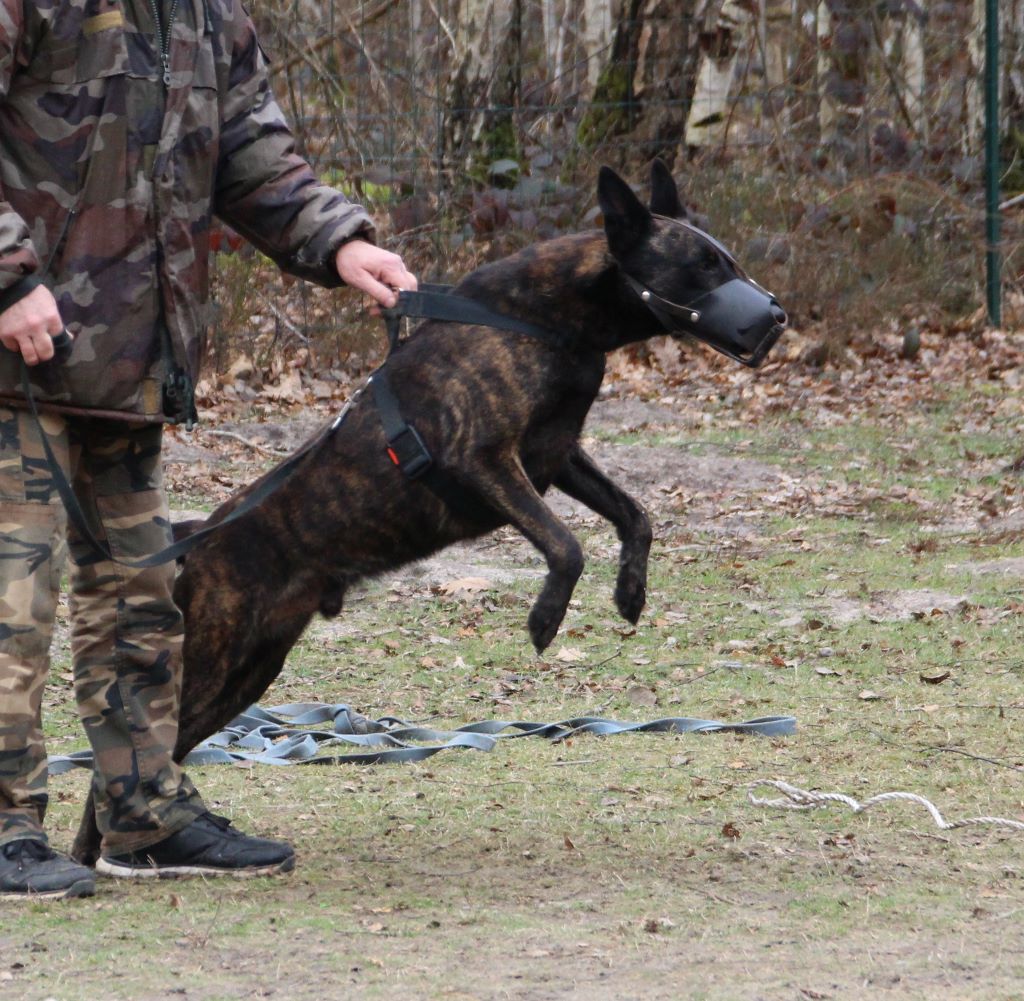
x: 111, y: 205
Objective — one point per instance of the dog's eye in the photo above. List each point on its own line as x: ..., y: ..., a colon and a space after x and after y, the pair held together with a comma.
x: 709, y: 260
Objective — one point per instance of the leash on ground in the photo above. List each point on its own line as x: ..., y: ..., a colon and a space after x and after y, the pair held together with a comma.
x: 276, y: 736
x: 794, y: 798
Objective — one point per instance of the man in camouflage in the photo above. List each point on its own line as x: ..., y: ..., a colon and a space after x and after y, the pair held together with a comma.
x: 125, y: 126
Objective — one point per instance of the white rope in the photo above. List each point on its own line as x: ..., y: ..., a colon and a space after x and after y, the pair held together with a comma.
x: 802, y: 799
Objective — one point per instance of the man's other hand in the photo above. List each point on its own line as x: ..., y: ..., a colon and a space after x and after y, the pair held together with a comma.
x: 29, y: 326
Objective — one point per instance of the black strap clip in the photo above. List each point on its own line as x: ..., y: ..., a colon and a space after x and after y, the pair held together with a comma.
x: 393, y: 324
x: 407, y: 451
x: 404, y: 445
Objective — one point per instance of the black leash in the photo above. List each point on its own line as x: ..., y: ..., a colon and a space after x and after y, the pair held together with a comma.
x: 177, y: 549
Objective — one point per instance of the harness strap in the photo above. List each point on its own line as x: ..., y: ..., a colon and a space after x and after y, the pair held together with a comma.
x: 435, y: 302
x: 406, y: 448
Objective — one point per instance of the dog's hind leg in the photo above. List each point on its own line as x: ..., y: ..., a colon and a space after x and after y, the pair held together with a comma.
x: 581, y: 479
x: 508, y: 491
x: 86, y: 848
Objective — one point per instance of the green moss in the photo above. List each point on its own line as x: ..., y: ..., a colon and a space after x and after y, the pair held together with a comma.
x: 608, y: 114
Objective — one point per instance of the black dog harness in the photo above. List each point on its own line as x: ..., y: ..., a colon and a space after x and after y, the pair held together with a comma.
x: 406, y: 448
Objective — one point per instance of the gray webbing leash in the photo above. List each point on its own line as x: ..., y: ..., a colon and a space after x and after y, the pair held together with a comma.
x: 276, y: 736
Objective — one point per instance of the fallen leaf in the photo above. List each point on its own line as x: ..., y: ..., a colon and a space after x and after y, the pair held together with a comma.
x: 466, y: 585
x: 655, y: 925
x: 569, y: 655
x: 288, y: 390
x: 639, y: 695
x: 934, y: 679
x: 730, y: 830
x: 869, y: 696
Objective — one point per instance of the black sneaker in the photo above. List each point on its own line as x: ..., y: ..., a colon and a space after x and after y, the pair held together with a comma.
x: 31, y: 870
x: 209, y: 846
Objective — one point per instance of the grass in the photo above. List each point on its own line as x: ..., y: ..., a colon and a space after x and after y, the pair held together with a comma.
x: 635, y: 866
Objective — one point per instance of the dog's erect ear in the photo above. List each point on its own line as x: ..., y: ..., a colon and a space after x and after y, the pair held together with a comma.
x: 626, y: 220
x: 664, y: 193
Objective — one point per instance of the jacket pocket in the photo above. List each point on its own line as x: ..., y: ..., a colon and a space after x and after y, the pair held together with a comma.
x: 93, y: 55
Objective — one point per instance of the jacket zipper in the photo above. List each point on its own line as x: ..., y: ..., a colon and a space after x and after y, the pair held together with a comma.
x: 58, y: 245
x: 163, y: 36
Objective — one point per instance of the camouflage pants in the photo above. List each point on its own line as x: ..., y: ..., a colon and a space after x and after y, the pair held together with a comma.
x: 126, y: 632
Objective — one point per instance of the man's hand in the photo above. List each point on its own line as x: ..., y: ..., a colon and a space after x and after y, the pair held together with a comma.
x: 373, y: 270
x: 29, y: 326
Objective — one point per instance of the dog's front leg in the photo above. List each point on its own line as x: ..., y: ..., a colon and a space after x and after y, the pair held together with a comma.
x: 581, y: 479
x: 508, y: 490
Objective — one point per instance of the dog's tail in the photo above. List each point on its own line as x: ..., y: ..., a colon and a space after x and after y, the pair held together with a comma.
x: 183, y: 529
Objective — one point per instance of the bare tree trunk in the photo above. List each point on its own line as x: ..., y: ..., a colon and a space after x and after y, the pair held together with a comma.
x: 1011, y: 76
x: 652, y: 55
x: 724, y: 32
x: 844, y: 37
x: 1013, y: 62
x: 599, y: 17
x: 486, y: 83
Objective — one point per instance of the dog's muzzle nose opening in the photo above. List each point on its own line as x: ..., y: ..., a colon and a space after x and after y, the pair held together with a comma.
x: 741, y: 320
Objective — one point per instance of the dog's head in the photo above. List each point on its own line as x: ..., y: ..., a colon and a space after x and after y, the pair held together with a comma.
x: 686, y: 278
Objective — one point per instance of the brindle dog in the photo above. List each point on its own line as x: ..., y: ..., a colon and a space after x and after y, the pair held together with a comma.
x: 501, y: 414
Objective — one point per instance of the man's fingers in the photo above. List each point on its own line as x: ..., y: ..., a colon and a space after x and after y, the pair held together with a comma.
x: 35, y: 347
x: 43, y: 343
x: 367, y: 283
x: 373, y: 270
x: 29, y: 325
x: 398, y: 277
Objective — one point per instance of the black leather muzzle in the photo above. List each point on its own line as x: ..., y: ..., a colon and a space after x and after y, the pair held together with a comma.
x: 739, y: 318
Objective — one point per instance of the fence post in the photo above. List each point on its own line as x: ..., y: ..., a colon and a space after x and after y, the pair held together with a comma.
x: 992, y: 218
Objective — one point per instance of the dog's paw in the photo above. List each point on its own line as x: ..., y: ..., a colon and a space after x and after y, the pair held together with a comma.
x: 630, y: 597
x: 543, y: 627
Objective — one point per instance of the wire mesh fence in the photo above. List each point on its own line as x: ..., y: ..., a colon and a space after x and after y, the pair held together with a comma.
x: 837, y: 146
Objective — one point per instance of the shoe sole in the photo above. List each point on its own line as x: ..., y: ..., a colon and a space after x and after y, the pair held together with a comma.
x: 118, y: 870
x: 80, y: 888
